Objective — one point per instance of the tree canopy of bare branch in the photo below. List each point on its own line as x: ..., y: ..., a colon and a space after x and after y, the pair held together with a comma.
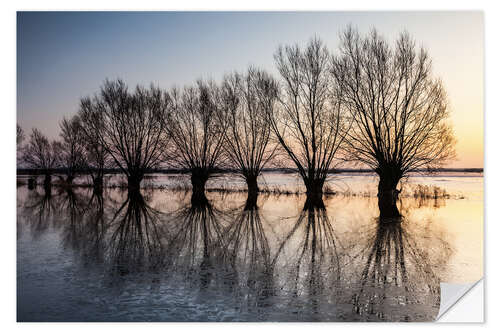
x: 19, y: 135
x: 197, y: 129
x: 70, y: 151
x: 309, y: 123
x: 96, y: 156
x: 247, y: 100
x: 130, y: 126
x: 39, y: 153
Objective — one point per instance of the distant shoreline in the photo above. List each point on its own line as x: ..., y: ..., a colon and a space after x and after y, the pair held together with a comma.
x: 23, y: 171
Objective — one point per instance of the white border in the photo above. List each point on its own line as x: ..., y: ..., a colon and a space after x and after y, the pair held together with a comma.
x: 8, y: 196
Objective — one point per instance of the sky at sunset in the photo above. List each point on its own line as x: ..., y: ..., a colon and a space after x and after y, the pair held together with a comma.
x: 64, y: 56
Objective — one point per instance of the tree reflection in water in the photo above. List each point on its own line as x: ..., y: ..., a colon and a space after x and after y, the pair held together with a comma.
x: 137, y: 236
x: 39, y: 209
x: 314, y: 262
x: 84, y: 221
x: 245, y: 263
x: 70, y: 217
x: 95, y: 228
x: 197, y: 247
x: 250, y: 259
x: 398, y: 280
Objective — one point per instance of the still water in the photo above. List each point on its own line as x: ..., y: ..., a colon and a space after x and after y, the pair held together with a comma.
x: 158, y: 256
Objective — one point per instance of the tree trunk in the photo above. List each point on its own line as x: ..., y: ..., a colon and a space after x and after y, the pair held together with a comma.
x: 251, y: 203
x: 199, y: 178
x: 198, y: 184
x: 31, y: 183
x: 388, y: 197
x: 69, y: 179
x: 314, y: 201
x: 199, y: 199
x: 47, y: 187
x: 47, y: 182
x: 135, y: 197
x: 252, y: 185
x: 253, y: 192
x: 98, y: 185
x: 314, y: 190
x: 98, y: 182
x: 134, y: 180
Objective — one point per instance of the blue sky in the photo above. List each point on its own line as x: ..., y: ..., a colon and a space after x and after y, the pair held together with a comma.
x: 63, y: 56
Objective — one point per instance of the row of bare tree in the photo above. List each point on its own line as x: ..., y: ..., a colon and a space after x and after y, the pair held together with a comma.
x: 370, y: 102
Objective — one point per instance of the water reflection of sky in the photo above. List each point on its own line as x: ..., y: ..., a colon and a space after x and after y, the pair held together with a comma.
x: 161, y: 257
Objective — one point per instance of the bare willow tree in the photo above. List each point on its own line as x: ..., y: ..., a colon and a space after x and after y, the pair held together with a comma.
x: 308, y: 124
x: 69, y: 150
x: 19, y: 135
x: 40, y: 154
x: 19, y: 142
x: 248, y: 99
x: 97, y: 158
x: 398, y: 109
x: 197, y: 128
x: 130, y: 126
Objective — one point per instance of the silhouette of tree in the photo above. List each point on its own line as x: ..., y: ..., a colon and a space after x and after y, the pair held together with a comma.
x: 197, y: 128
x: 40, y: 154
x: 69, y: 150
x: 308, y: 123
x: 19, y: 142
x: 130, y: 127
x: 247, y: 99
x: 19, y: 135
x: 97, y: 157
x: 398, y: 110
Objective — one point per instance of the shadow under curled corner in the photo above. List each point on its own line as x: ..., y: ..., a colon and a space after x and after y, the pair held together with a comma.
x: 462, y: 302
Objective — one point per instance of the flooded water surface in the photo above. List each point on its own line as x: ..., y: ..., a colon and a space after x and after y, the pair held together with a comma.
x: 158, y: 255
